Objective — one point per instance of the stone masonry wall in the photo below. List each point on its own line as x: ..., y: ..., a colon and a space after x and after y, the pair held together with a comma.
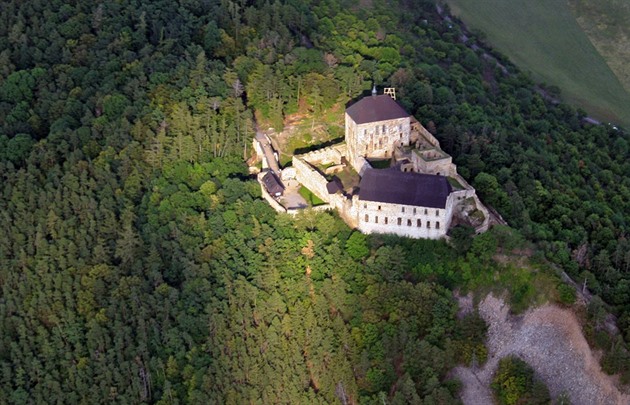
x: 442, y: 166
x: 310, y: 178
x: 375, y: 139
x: 404, y: 220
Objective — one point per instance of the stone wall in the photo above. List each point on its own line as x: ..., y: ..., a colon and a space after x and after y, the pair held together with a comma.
x: 331, y: 154
x: 404, y: 220
x: 310, y: 178
x: 422, y: 131
x: 375, y: 139
x: 260, y: 155
x: 432, y: 161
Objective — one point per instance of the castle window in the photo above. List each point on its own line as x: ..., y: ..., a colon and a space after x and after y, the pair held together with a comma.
x: 414, y: 211
x: 377, y: 130
x: 399, y: 221
x: 419, y: 223
x: 376, y: 219
x: 367, y: 218
x: 386, y: 221
x: 426, y: 211
x: 383, y: 129
x: 429, y: 224
x: 403, y: 209
x: 408, y: 222
x: 365, y: 206
x: 437, y: 213
x: 399, y: 127
x: 379, y: 207
x: 437, y: 225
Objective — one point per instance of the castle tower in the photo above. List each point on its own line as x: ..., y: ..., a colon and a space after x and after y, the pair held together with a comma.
x: 374, y: 127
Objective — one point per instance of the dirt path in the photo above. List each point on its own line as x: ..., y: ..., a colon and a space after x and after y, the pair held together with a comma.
x: 549, y: 339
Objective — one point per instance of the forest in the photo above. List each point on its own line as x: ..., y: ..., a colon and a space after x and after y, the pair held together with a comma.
x: 140, y: 265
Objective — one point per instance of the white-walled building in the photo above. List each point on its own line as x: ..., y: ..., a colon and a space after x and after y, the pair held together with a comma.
x: 404, y: 203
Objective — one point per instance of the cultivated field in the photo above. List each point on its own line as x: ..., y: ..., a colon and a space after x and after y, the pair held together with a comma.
x: 544, y: 38
x: 607, y: 24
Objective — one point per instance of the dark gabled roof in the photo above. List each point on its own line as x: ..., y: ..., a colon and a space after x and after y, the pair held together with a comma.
x: 375, y: 108
x: 272, y: 183
x: 334, y: 185
x: 407, y: 188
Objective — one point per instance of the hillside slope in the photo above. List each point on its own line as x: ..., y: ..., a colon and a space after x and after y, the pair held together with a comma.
x: 544, y: 38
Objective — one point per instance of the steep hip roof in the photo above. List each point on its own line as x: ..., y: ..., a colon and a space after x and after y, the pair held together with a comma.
x: 376, y: 108
x: 406, y: 188
x: 272, y: 183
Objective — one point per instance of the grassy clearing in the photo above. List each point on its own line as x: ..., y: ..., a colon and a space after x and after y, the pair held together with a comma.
x: 310, y: 198
x: 454, y: 183
x: 607, y: 24
x: 514, y: 269
x: 304, y: 131
x: 543, y: 37
x: 380, y: 163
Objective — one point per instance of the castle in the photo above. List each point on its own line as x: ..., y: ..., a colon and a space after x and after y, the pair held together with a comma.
x: 417, y: 195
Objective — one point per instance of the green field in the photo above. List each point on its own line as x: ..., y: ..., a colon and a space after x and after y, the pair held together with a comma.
x: 544, y: 38
x: 310, y: 197
x: 607, y: 24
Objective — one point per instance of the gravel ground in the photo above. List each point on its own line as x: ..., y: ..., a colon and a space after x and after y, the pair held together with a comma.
x: 550, y: 340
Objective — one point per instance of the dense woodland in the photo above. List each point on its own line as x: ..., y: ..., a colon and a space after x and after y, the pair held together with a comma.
x: 139, y: 264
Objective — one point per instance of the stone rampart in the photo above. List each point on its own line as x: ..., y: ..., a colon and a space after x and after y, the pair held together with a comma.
x: 422, y: 131
x: 310, y: 178
x: 432, y: 161
x: 258, y: 149
x: 331, y: 154
x: 296, y: 211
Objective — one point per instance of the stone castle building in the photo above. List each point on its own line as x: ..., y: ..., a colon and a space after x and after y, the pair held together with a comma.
x: 416, y: 196
x: 405, y: 203
x: 374, y: 127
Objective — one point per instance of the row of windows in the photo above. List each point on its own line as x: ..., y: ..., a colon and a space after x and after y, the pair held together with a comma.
x: 383, y: 129
x: 426, y: 211
x: 400, y: 220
